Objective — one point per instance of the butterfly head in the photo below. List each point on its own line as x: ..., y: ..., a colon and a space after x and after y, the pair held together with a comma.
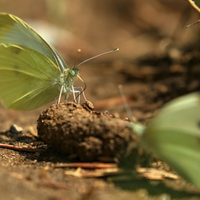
x: 69, y: 76
x: 74, y: 72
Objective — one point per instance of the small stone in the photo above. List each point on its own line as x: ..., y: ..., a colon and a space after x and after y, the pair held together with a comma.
x: 15, y: 129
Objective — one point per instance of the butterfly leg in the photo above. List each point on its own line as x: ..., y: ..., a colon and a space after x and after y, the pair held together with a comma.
x: 79, y: 97
x: 81, y: 92
x: 60, y: 95
x: 73, y: 92
x: 75, y: 98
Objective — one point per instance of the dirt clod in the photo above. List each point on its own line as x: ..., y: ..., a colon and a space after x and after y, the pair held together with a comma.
x: 75, y: 129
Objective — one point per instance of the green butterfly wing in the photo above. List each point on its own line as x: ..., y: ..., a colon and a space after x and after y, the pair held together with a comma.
x: 181, y: 114
x: 174, y: 135
x: 28, y: 79
x: 15, y: 31
x: 181, y: 151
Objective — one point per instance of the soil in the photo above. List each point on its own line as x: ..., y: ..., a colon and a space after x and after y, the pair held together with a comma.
x: 159, y: 61
x: 80, y: 132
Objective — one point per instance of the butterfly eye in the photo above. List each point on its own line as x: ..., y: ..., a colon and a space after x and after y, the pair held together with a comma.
x: 72, y: 72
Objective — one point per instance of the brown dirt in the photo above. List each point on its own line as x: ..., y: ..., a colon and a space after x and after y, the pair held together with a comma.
x: 83, y: 133
x: 158, y: 61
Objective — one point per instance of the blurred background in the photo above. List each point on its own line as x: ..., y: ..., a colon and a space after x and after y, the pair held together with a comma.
x: 151, y: 35
x: 136, y: 27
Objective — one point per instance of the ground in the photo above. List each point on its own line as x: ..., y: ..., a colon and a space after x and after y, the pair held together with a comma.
x: 157, y: 62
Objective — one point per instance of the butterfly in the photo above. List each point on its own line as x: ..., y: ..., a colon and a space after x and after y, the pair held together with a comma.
x: 174, y: 136
x: 32, y: 73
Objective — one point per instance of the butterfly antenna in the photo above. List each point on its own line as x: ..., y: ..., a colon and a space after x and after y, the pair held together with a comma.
x: 117, y: 49
x: 193, y: 23
x: 78, y: 52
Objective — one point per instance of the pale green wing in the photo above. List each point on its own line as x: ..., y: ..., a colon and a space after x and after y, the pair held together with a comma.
x: 15, y: 31
x: 28, y: 79
x: 174, y: 135
x: 180, y: 150
x: 181, y: 114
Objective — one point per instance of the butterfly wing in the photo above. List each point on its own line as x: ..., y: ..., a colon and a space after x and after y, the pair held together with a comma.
x: 181, y: 114
x: 28, y: 79
x: 181, y: 151
x: 174, y: 135
x: 16, y: 32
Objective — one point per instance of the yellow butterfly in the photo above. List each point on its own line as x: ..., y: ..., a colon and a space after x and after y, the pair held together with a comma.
x: 32, y: 73
x: 174, y: 136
